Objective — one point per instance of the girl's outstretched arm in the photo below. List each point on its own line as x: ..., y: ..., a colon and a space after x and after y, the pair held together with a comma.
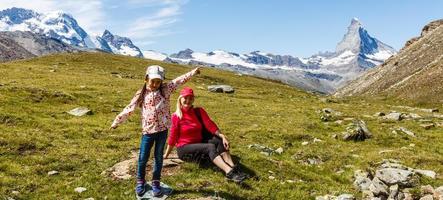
x: 129, y: 109
x: 174, y: 84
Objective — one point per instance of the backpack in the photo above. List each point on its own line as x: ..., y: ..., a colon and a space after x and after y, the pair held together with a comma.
x: 206, y: 135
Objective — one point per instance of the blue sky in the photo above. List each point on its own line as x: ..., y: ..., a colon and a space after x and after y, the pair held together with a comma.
x: 299, y: 28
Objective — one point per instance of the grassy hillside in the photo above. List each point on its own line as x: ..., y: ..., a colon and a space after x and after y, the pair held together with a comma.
x: 37, y: 136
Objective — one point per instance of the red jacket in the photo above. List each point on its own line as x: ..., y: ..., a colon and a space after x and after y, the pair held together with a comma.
x: 188, y: 129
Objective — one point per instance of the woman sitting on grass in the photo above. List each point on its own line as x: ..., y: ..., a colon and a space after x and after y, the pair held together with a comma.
x: 186, y: 134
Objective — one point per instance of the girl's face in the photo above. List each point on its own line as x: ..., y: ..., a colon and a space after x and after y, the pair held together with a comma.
x: 187, y: 101
x: 154, y: 84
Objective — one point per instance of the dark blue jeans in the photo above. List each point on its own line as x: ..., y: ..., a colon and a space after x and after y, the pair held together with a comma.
x: 147, y: 141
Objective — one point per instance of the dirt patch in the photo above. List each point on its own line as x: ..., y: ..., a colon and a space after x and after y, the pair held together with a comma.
x: 126, y: 169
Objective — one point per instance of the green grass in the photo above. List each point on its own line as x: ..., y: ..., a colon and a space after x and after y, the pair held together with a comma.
x: 37, y: 135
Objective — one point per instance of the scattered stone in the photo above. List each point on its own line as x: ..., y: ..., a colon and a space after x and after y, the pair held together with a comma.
x: 326, y: 197
x: 392, y: 176
x: 413, y: 116
x: 428, y: 173
x: 271, y: 177
x: 14, y: 192
x: 335, y: 136
x: 362, y: 181
x: 221, y: 88
x: 279, y: 150
x: 427, y: 197
x: 317, y: 140
x: 412, y: 145
x: 406, y: 131
x: 326, y: 117
x: 427, y: 126
x: 80, y: 189
x: 304, y: 143
x: 339, y: 122
x: 346, y: 197
x: 427, y: 189
x: 82, y: 86
x: 265, y: 150
x: 357, y: 131
x: 90, y: 198
x: 378, y: 188
x: 332, y: 197
x: 438, y: 192
x: 314, y: 161
x: 393, y: 192
x: 395, y: 116
x: 80, y: 111
x: 53, y: 172
x: 290, y: 181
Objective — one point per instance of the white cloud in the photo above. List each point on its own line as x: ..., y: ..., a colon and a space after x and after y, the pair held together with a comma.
x: 146, y: 28
x: 88, y: 13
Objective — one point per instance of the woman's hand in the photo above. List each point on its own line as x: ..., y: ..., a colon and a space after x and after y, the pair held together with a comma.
x: 168, y: 151
x: 225, y: 142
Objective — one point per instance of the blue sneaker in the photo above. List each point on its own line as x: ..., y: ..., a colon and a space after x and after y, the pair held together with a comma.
x: 156, y: 188
x: 140, y: 188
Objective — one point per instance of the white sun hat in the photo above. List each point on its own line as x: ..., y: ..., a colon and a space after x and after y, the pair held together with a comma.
x: 155, y: 71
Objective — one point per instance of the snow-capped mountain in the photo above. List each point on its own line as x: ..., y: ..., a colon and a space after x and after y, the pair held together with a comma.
x: 354, y: 54
x: 323, y: 72
x: 61, y: 26
x: 121, y: 45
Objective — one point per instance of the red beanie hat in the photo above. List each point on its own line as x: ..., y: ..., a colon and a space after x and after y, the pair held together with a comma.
x: 186, y: 91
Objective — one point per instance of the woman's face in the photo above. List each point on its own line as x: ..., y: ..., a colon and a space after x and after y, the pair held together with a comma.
x: 154, y: 84
x: 187, y: 101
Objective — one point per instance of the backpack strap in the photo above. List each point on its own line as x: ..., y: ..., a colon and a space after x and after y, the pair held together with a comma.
x: 206, y: 135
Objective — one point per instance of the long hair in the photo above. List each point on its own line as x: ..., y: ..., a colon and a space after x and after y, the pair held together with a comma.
x: 178, y: 110
x: 141, y: 98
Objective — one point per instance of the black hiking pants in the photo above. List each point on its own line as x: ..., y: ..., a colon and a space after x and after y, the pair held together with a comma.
x: 197, y: 151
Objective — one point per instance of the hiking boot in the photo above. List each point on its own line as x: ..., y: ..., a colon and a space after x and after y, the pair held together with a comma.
x: 140, y: 188
x: 156, y: 189
x: 234, y: 176
x: 236, y: 169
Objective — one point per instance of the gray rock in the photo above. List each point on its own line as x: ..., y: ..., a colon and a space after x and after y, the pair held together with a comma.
x: 279, y: 150
x: 80, y: 111
x: 406, y: 131
x: 427, y: 189
x: 392, y: 176
x: 346, y: 197
x: 367, y: 194
x: 378, y: 188
x: 393, y: 192
x: 395, y: 116
x: 427, y: 197
x: 362, y: 181
x: 427, y: 126
x: 326, y: 197
x: 53, y: 172
x: 80, y: 189
x: 314, y: 161
x: 428, y: 173
x: 438, y: 192
x: 221, y: 88
x: 357, y: 131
